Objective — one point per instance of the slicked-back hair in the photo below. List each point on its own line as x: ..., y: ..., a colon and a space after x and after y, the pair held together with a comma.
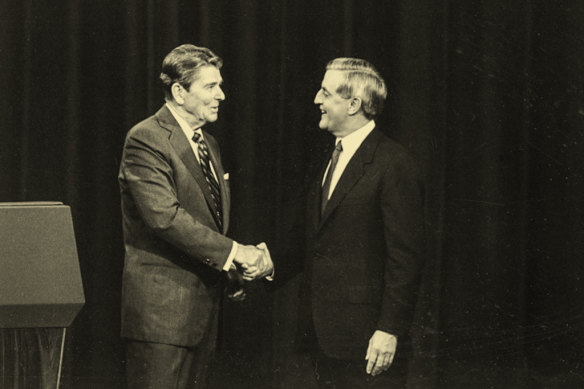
x: 361, y: 80
x: 182, y: 65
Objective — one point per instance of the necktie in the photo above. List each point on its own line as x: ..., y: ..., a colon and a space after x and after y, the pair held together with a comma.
x: 205, y: 163
x: 327, y: 182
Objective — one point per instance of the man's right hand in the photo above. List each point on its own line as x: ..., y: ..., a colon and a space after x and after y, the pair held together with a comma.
x: 253, y: 261
x: 265, y: 266
x: 248, y: 257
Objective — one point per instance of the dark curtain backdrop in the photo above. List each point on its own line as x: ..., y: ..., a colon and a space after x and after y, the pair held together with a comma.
x: 488, y: 94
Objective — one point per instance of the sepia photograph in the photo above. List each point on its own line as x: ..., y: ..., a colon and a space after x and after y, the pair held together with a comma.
x: 278, y: 194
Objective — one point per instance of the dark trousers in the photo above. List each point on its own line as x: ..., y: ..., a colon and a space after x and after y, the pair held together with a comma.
x: 351, y: 374
x: 165, y: 366
x: 334, y: 373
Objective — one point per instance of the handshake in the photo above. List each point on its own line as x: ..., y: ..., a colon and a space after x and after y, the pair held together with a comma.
x: 250, y: 263
x: 253, y: 262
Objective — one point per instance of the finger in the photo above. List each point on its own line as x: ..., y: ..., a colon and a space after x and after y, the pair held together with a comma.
x: 251, y: 273
x: 262, y: 246
x: 375, y: 368
x: 237, y: 298
x: 368, y: 353
x: 380, y: 364
x: 237, y: 294
x: 391, y: 356
x: 385, y: 362
x: 371, y: 362
x: 252, y: 270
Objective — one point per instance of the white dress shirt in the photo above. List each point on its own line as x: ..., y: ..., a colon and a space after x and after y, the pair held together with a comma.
x: 350, y: 144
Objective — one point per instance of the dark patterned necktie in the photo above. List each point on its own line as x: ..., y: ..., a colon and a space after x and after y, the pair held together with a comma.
x: 327, y: 182
x: 205, y: 163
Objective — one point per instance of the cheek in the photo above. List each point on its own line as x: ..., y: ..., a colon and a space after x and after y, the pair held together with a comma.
x: 331, y: 115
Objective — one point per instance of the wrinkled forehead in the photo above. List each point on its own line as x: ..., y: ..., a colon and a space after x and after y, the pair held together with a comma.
x: 207, y: 74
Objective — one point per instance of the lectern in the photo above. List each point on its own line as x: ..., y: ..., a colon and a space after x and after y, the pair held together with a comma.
x: 41, y: 292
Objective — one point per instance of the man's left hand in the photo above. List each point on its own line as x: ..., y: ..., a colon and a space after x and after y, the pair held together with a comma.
x: 235, y: 285
x: 380, y: 352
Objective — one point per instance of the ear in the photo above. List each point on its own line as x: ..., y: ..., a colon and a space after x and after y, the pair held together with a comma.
x: 355, y: 105
x: 177, y: 91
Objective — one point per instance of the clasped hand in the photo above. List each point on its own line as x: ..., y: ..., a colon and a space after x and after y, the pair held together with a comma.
x: 254, y: 262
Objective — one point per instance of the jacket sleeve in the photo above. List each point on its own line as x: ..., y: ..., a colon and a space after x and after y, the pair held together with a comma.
x: 402, y: 206
x: 147, y: 174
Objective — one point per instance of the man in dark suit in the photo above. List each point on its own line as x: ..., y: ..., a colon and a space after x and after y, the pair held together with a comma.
x: 175, y: 208
x: 363, y: 238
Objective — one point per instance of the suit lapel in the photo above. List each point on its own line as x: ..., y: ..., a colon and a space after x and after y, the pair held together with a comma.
x: 352, y: 173
x: 181, y: 144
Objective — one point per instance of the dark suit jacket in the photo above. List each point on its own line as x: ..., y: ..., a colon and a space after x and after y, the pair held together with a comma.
x: 364, y: 256
x: 172, y: 278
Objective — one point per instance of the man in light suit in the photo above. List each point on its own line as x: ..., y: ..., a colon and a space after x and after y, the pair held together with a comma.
x: 363, y: 239
x: 175, y: 208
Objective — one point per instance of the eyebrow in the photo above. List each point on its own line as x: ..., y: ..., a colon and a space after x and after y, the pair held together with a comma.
x: 213, y: 83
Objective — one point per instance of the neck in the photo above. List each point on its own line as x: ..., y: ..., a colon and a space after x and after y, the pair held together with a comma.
x: 352, y: 125
x: 193, y: 122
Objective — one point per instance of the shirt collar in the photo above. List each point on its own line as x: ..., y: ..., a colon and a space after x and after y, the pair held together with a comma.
x: 352, y: 141
x: 189, y: 132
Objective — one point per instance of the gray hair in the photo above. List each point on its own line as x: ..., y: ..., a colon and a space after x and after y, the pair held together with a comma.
x: 361, y: 80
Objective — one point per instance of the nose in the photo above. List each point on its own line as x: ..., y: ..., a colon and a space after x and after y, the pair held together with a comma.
x: 318, y: 97
x: 220, y: 95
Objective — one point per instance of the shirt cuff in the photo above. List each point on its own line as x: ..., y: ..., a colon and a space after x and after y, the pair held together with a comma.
x: 231, y: 257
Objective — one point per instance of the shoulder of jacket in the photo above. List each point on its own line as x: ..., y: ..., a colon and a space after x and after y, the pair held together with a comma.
x: 149, y: 127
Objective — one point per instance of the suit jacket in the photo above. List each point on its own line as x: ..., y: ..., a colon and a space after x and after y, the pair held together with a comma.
x: 175, y: 252
x: 364, y: 255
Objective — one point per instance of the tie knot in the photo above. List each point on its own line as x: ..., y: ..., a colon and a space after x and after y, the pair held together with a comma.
x: 339, y: 147
x: 197, y: 137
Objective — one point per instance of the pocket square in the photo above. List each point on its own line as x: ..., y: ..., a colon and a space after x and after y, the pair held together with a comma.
x: 226, y: 176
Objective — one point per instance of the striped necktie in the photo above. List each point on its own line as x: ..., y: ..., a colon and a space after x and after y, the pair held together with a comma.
x: 205, y: 163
